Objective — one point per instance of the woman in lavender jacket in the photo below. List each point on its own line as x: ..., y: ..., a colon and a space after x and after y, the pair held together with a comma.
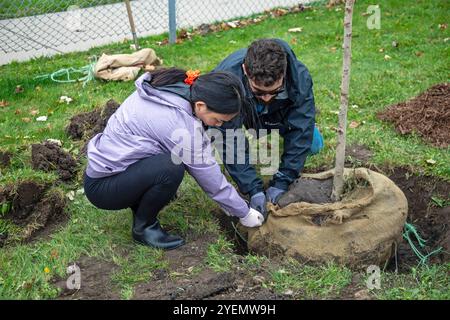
x: 139, y: 160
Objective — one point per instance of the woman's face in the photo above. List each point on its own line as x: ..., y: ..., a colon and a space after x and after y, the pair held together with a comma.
x: 211, y: 118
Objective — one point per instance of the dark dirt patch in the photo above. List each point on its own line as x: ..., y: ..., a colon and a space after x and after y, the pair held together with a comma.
x: 49, y: 156
x: 35, y: 208
x: 26, y: 196
x: 431, y: 221
x: 356, y: 290
x: 207, y: 285
x: 203, y: 285
x: 308, y: 190
x: 95, y: 281
x: 357, y: 152
x: 85, y: 125
x: 191, y: 254
x: 81, y: 123
x: 192, y: 279
x: 428, y: 115
x: 5, y: 159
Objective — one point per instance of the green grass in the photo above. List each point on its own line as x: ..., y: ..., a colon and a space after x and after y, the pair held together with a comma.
x: 308, y: 282
x: 423, y: 283
x: 375, y: 84
x: 219, y: 255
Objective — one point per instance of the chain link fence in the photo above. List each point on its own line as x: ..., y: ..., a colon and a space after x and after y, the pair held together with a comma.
x: 30, y: 28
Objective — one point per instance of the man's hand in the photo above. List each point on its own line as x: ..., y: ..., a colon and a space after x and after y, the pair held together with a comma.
x: 258, y: 202
x: 274, y: 194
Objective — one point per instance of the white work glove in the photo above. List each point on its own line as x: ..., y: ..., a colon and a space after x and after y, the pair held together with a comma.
x: 253, y: 219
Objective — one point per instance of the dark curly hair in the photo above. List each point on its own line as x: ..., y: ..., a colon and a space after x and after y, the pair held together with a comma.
x: 265, y: 62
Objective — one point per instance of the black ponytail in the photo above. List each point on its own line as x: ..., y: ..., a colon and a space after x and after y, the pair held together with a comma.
x: 166, y: 76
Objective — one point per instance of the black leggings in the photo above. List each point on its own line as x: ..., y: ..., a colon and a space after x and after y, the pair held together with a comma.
x: 146, y: 187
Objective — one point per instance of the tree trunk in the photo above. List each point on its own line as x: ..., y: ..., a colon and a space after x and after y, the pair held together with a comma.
x: 338, y: 180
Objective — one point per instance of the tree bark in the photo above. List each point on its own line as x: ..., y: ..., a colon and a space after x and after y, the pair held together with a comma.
x: 338, y: 180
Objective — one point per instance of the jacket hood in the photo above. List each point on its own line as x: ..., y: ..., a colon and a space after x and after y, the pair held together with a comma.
x: 175, y: 95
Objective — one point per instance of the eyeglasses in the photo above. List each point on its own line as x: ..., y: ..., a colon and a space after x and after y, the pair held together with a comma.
x: 259, y: 93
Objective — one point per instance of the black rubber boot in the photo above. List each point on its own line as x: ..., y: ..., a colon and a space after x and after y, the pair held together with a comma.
x: 155, y: 236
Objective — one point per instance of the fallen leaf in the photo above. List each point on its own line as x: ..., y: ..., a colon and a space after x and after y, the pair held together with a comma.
x: 288, y: 292
x: 19, y: 89
x: 381, y: 50
x: 34, y: 112
x: 54, y: 254
x: 431, y: 161
x: 55, y: 141
x: 362, y: 295
x: 26, y: 120
x: 294, y: 40
x: 65, y: 99
x: 419, y: 53
x: 395, y: 44
x: 17, y: 112
x: 70, y: 195
x: 224, y: 26
x: 176, y: 274
x: 232, y: 24
x: 333, y: 49
x: 443, y: 26
x: 386, y: 57
x: 38, y: 88
x: 298, y: 29
x: 258, y: 279
x: 184, y: 34
x: 4, y: 103
x: 354, y: 124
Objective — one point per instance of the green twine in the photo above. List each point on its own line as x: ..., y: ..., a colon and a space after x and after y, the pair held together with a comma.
x: 410, y: 229
x: 87, y: 72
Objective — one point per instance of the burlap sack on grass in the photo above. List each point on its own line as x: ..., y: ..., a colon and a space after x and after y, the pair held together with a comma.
x: 358, y: 231
x: 126, y: 67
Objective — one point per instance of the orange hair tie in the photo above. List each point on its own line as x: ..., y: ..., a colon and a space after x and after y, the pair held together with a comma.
x: 191, y: 76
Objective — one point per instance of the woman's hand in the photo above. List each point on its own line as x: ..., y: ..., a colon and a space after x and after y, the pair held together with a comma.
x: 252, y: 219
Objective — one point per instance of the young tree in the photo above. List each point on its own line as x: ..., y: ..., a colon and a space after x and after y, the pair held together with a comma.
x: 338, y: 180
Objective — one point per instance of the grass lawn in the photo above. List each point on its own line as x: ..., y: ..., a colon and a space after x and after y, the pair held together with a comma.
x: 419, y: 61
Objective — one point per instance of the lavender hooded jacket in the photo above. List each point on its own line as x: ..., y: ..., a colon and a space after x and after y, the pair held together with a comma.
x: 144, y: 125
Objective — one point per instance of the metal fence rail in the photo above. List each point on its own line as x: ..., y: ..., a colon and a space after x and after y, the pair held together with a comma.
x: 30, y: 28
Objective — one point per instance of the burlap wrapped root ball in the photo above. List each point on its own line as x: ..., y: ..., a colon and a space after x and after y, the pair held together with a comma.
x: 360, y: 230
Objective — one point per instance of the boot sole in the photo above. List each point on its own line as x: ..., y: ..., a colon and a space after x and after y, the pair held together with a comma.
x: 151, y: 246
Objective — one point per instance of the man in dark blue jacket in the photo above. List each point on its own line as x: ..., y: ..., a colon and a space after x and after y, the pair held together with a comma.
x: 279, y: 96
